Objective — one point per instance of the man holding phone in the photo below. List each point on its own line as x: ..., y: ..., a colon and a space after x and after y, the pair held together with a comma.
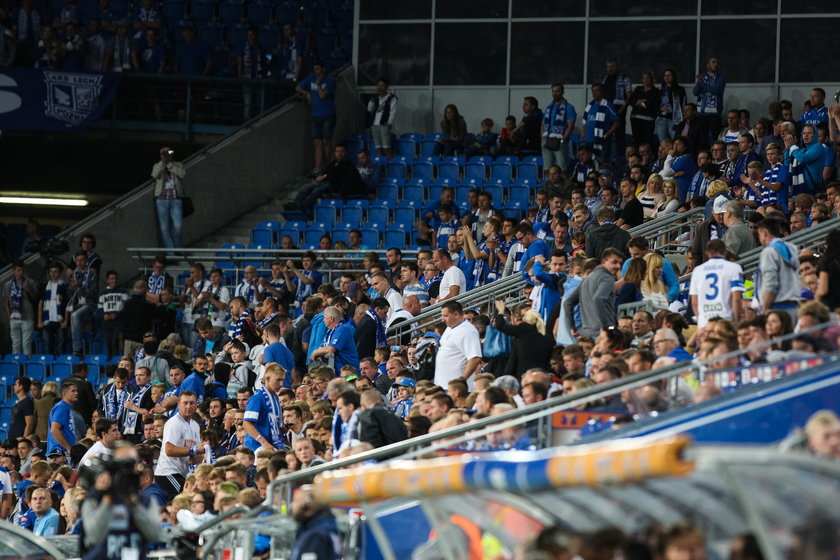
x: 169, y: 193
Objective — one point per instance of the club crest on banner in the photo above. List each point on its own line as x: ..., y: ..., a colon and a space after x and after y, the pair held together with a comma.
x: 71, y: 97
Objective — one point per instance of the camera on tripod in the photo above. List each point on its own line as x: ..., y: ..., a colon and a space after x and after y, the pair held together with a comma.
x: 125, y: 478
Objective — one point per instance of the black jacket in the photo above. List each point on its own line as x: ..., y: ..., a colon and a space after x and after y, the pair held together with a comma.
x: 87, y: 402
x: 697, y: 135
x: 137, y: 317
x: 380, y: 427
x: 366, y: 337
x: 604, y: 236
x: 528, y: 348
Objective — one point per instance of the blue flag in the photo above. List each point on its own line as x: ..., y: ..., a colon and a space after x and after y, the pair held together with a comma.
x: 54, y: 100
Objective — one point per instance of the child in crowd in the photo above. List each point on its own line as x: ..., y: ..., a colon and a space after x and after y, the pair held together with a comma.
x: 506, y: 145
x: 485, y: 141
x: 448, y: 226
x: 405, y: 390
x: 381, y: 354
x: 578, y: 243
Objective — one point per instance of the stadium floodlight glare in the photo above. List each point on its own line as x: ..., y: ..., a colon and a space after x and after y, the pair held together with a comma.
x: 43, y: 201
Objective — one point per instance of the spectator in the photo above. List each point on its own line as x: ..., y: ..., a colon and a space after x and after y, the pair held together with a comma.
x: 709, y: 89
x: 371, y: 175
x: 672, y: 113
x: 382, y: 110
x: 716, y: 286
x: 596, y: 297
x: 339, y: 178
x: 777, y: 277
x: 454, y: 129
x: 602, y: 121
x: 531, y: 347
x: 644, y: 103
x: 738, y: 237
x: 20, y: 305
x: 453, y: 282
x: 46, y: 522
x: 460, y: 349
x: 378, y: 426
x: 607, y: 234
x: 169, y: 196
x: 558, y: 125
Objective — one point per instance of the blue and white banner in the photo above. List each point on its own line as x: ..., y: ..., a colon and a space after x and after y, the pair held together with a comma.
x: 54, y: 100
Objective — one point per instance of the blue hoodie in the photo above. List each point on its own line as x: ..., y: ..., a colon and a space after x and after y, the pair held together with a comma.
x: 812, y: 159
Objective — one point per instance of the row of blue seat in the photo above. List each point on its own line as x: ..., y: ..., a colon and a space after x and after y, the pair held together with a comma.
x: 498, y: 173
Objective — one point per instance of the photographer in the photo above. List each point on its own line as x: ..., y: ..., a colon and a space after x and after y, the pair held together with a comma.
x: 169, y: 193
x: 117, y: 521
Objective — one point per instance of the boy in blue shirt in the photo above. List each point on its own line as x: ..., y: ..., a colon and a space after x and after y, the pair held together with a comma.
x: 448, y: 226
x: 405, y: 393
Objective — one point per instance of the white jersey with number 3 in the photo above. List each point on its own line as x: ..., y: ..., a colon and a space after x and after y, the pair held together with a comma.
x: 713, y: 282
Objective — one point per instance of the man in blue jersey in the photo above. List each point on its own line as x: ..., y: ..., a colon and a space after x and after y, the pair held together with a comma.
x: 338, y: 341
x: 818, y: 113
x: 602, y: 121
x: 533, y: 245
x: 558, y: 125
x: 62, y: 433
x: 276, y: 352
x: 319, y: 91
x: 263, y: 414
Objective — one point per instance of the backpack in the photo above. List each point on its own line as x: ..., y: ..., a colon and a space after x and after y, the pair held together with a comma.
x: 426, y: 353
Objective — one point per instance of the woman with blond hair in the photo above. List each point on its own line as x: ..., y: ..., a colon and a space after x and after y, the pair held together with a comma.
x: 652, y: 196
x: 672, y: 192
x: 530, y: 347
x: 716, y: 188
x: 653, y: 289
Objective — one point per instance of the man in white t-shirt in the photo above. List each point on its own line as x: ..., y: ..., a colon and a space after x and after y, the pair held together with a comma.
x: 6, y: 489
x: 108, y: 432
x: 459, y: 354
x: 716, y: 286
x: 453, y: 282
x: 380, y: 283
x: 180, y: 446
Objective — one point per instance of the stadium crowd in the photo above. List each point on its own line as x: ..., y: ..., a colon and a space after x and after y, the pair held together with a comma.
x: 221, y: 389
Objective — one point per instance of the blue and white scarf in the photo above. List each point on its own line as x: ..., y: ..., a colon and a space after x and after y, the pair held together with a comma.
x: 113, y: 402
x: 381, y: 338
x: 130, y: 421
x: 622, y: 86
x: 669, y: 98
x: 698, y: 186
x: 155, y: 283
x: 264, y: 323
x: 599, y: 110
x: 16, y: 296
x: 426, y: 283
x: 554, y: 120
x: 235, y: 328
x: 55, y: 295
x: 796, y: 172
x: 542, y: 214
x: 247, y: 290
x: 275, y: 417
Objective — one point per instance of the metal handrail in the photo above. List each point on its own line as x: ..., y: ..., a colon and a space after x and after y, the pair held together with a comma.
x: 655, y: 225
x: 804, y: 238
x: 425, y: 444
x: 431, y: 314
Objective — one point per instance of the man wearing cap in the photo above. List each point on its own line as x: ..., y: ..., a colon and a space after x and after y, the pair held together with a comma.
x: 708, y: 230
x: 169, y: 192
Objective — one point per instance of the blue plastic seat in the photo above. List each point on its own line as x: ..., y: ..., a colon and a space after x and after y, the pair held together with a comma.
x: 538, y: 160
x: 423, y: 170
x: 413, y: 192
x: 394, y: 237
x: 228, y: 257
x: 251, y: 260
x: 405, y: 215
x: 462, y: 194
x: 520, y: 195
x: 291, y: 232
x: 211, y: 33
x: 503, y: 171
x: 387, y: 192
x: 237, y: 35
x: 342, y: 232
x: 370, y: 237
x: 396, y: 170
x: 266, y: 233
x: 515, y: 210
x: 529, y: 171
x: 378, y: 214
x: 203, y: 10
x: 497, y: 192
x: 9, y: 371
x: 38, y: 366
x: 100, y: 360
x: 475, y: 172
x: 312, y: 236
x: 174, y: 10
x: 407, y: 147
x: 498, y: 182
x: 231, y: 12
x: 486, y: 160
x: 513, y: 160
x: 427, y: 147
x: 459, y: 160
x: 325, y: 213
x: 269, y: 37
x: 449, y: 171
x: 416, y: 136
x: 352, y: 215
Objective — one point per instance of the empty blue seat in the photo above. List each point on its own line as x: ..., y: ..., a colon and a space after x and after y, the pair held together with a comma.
x: 407, y: 147
x: 203, y: 10
x: 286, y: 14
x: 386, y: 192
x: 462, y: 194
x: 396, y: 170
x: 211, y: 33
x: 499, y: 182
x: 434, y: 136
x: 529, y: 171
x: 378, y: 214
x: 486, y: 160
x: 459, y: 160
x: 237, y: 35
x: 413, y: 192
x: 449, y: 171
x: 520, y: 195
x: 325, y: 214
x: 370, y: 237
x: 513, y: 160
x: 434, y: 192
x: 473, y: 183
x: 423, y: 170
x: 502, y: 171
x: 9, y: 371
x: 475, y: 172
x: 38, y: 366
x: 497, y: 192
x: 352, y: 215
x: 538, y: 160
x: 251, y: 259
x: 231, y: 12
x: 416, y: 136
x: 174, y: 11
x: 342, y: 232
x: 98, y: 359
x: 378, y: 160
x: 515, y: 210
x: 394, y: 237
x: 266, y: 233
x: 405, y: 215
x: 427, y: 147
x: 358, y: 203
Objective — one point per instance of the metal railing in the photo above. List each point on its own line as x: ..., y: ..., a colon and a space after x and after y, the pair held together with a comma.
x: 661, y: 223
x: 516, y: 418
x: 804, y: 239
x: 477, y: 297
x: 191, y: 104
x: 241, y: 257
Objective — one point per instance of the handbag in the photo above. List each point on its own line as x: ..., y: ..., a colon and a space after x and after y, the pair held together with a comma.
x: 187, y: 208
x: 496, y: 343
x: 553, y: 143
